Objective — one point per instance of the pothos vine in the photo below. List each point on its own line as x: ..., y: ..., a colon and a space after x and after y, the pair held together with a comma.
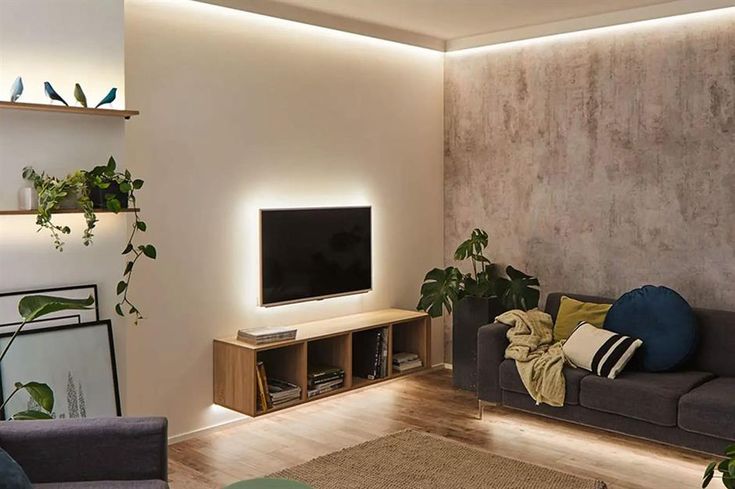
x: 52, y: 191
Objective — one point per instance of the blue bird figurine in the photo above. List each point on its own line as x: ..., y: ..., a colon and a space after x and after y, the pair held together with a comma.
x: 108, y: 98
x: 16, y: 90
x: 51, y: 93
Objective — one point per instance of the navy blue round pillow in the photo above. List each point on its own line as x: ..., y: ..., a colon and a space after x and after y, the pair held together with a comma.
x: 662, y: 319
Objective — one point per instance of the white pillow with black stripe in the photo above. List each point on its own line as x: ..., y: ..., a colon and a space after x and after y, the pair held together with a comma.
x: 601, y: 352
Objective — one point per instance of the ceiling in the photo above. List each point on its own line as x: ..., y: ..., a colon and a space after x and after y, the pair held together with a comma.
x: 451, y: 19
x: 450, y: 25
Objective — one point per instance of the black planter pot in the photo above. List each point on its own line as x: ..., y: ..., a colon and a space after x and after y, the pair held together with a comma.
x: 469, y: 315
x: 98, y: 196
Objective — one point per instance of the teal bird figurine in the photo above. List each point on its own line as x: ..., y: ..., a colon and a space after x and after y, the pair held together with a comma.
x: 108, y: 98
x: 79, y: 95
x: 16, y: 90
x: 51, y: 93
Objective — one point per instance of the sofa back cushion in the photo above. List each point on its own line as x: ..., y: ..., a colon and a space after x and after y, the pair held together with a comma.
x: 716, y: 342
x: 716, y: 334
x: 553, y: 301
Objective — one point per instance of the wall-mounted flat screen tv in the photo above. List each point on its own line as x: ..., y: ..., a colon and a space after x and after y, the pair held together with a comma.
x: 314, y: 253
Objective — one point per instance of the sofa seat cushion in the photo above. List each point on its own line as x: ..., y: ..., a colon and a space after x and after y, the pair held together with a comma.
x: 710, y: 409
x: 143, y: 484
x: 646, y: 396
x: 510, y: 380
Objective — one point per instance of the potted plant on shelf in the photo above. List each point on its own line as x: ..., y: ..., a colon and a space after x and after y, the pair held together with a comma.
x: 475, y: 299
x: 103, y: 187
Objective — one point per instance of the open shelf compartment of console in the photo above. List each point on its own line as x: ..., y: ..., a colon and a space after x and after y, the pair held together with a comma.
x: 287, y: 364
x: 411, y: 337
x: 367, y: 350
x: 334, y: 351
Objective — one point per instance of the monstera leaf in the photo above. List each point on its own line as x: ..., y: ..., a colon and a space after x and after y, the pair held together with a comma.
x: 472, y: 247
x: 439, y: 290
x: 519, y: 290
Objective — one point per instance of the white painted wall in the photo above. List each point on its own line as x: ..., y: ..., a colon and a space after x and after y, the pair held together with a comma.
x: 63, y: 42
x: 240, y: 112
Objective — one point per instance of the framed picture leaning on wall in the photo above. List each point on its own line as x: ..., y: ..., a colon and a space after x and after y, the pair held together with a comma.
x: 77, y: 361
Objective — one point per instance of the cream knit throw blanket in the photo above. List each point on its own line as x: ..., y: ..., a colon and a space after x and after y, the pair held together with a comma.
x: 539, y: 362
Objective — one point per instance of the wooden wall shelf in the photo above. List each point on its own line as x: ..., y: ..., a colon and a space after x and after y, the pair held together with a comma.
x: 127, y: 114
x: 61, y: 211
x: 327, y: 342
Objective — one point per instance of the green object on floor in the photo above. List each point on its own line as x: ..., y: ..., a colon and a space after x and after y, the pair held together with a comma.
x: 268, y: 484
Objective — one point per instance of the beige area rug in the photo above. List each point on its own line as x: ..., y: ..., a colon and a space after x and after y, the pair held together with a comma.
x: 415, y: 460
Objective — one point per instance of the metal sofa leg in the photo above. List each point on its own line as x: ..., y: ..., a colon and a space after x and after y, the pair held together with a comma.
x: 481, y: 407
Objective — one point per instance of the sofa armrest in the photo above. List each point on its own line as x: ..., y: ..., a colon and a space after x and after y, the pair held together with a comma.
x: 76, y: 450
x: 492, y: 341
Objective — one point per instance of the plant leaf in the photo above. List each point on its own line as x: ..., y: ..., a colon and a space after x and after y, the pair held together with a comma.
x: 150, y: 251
x: 141, y: 225
x: 730, y: 451
x: 709, y: 473
x: 30, y: 415
x: 439, y: 290
x: 520, y: 290
x: 41, y: 393
x: 118, y: 310
x: 137, y: 184
x: 111, y: 165
x: 121, y: 286
x: 128, y: 249
x: 125, y: 187
x: 32, y: 307
x: 128, y: 268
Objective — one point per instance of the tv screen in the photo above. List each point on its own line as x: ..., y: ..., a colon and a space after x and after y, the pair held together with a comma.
x: 314, y: 253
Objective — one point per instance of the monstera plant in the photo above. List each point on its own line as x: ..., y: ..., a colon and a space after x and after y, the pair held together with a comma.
x: 33, y: 307
x: 444, y: 287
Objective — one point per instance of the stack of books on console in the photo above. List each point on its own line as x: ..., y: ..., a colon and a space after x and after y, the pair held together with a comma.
x: 322, y: 379
x: 370, y: 353
x: 260, y: 336
x: 273, y: 392
x: 282, y: 392
x: 403, y: 361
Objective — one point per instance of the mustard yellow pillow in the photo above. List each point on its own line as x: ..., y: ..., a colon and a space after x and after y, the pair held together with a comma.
x: 572, y: 311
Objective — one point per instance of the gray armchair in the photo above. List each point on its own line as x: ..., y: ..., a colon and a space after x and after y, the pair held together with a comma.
x: 129, y: 453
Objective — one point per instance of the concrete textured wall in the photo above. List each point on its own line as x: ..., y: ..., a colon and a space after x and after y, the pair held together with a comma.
x: 600, y: 161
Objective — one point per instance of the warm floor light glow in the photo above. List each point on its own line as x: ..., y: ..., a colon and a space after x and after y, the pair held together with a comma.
x: 616, y: 29
x: 203, y: 9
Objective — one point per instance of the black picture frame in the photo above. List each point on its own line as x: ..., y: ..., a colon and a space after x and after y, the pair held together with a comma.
x: 72, y: 318
x: 111, y: 344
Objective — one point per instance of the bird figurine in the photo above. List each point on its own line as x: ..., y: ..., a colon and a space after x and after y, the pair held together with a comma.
x: 79, y: 95
x: 51, y: 93
x: 108, y: 98
x: 16, y: 90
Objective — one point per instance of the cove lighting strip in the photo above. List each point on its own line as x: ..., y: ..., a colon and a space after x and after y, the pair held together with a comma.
x: 615, y: 29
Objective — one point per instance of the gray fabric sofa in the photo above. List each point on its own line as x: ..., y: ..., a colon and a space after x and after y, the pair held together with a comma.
x: 693, y: 407
x: 93, y: 453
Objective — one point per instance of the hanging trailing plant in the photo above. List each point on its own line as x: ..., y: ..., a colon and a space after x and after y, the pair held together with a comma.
x: 112, y: 190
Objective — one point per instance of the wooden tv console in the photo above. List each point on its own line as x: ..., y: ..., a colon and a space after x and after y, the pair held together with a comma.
x: 319, y: 342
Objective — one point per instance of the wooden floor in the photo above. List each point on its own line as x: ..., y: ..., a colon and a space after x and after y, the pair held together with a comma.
x: 425, y: 402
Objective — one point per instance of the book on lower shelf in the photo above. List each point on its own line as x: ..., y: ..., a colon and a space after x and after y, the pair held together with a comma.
x: 371, y: 353
x: 261, y: 336
x: 405, y: 361
x: 272, y: 392
x: 321, y: 379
